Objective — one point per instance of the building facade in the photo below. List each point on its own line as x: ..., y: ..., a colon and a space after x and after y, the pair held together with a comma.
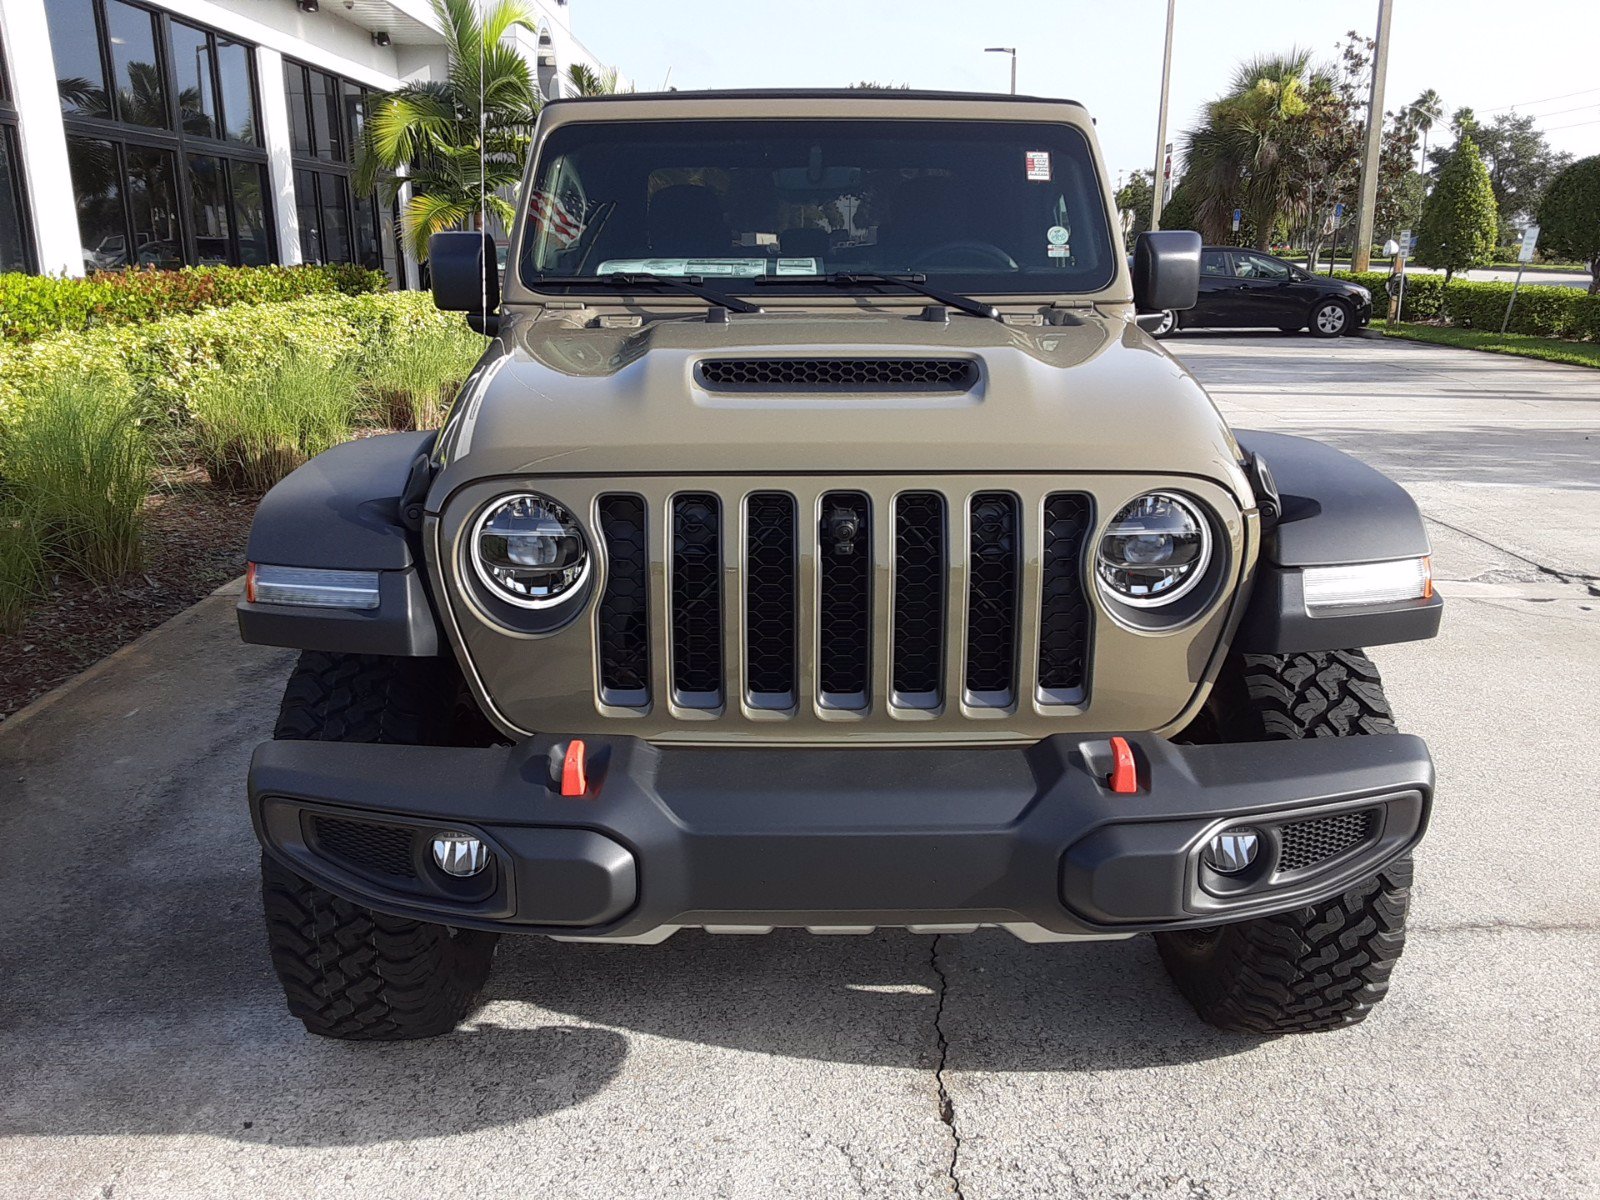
x: 176, y: 132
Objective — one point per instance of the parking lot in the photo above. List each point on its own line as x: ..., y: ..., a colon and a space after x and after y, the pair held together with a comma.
x: 145, y: 1051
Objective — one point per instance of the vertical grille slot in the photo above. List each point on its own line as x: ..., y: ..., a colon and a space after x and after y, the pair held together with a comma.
x: 1064, y: 615
x: 623, y: 628
x: 920, y: 578
x: 993, y: 579
x: 770, y: 599
x: 696, y: 591
x: 844, y: 611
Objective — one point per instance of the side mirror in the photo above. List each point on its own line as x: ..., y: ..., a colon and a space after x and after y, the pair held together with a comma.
x: 1166, y: 270
x: 466, y: 275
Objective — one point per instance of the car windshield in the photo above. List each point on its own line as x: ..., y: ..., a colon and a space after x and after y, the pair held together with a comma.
x: 977, y: 206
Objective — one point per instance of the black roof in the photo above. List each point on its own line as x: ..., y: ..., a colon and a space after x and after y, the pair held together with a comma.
x: 820, y: 94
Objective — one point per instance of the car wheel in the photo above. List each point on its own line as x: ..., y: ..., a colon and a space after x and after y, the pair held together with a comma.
x: 1169, y: 322
x: 1330, y: 319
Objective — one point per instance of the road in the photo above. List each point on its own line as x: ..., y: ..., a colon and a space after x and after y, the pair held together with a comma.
x: 145, y: 1052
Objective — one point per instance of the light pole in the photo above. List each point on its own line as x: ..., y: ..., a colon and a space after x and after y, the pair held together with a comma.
x: 1158, y: 179
x: 1011, y: 50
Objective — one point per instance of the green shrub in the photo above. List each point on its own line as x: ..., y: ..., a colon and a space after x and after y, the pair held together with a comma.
x: 33, y: 306
x: 21, y: 563
x: 1539, y: 311
x: 251, y: 430
x: 412, y: 386
x: 79, y: 462
x: 1424, y: 299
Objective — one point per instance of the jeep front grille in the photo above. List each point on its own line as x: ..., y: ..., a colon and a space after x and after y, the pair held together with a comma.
x: 853, y: 601
x: 838, y: 374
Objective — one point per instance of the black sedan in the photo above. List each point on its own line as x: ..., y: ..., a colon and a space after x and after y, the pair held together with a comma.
x: 1241, y: 289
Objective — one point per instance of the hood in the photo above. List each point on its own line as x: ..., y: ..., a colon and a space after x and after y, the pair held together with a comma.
x: 558, y: 397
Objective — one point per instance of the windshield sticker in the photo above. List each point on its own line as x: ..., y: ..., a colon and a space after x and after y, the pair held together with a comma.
x: 797, y: 266
x: 1057, y: 235
x: 741, y: 268
x: 1039, y: 165
x: 1058, y: 251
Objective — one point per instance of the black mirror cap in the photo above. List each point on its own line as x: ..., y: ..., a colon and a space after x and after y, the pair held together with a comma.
x: 1166, y: 270
x: 466, y: 275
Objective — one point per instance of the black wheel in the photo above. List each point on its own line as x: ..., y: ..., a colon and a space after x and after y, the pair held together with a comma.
x: 1330, y: 319
x: 1169, y: 323
x: 347, y: 971
x: 1321, y: 966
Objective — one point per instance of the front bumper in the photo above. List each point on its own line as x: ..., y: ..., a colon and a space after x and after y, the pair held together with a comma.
x: 673, y: 837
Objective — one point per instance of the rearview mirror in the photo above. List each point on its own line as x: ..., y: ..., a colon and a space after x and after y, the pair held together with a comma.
x: 1166, y: 270
x: 466, y: 275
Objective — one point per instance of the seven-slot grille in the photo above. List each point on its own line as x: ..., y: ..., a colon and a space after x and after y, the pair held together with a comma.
x: 786, y: 603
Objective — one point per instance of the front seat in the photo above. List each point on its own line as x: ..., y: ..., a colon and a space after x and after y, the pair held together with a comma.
x: 686, y: 221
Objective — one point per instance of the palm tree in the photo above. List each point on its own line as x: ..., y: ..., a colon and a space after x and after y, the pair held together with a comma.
x: 592, y: 81
x: 1424, y: 111
x: 460, y: 141
x: 1244, y: 154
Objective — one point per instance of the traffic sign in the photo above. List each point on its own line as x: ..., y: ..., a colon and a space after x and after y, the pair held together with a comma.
x: 1237, y: 213
x: 1530, y: 240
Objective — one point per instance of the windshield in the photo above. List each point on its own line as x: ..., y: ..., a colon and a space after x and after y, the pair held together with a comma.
x: 982, y: 206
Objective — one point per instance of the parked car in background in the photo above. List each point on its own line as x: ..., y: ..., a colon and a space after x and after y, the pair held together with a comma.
x: 1243, y: 289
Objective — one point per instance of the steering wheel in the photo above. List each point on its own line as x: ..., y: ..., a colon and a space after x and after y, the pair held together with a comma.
x: 988, y: 251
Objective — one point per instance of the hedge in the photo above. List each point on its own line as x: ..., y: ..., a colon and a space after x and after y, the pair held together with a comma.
x: 162, y: 362
x: 1540, y: 311
x: 34, y: 306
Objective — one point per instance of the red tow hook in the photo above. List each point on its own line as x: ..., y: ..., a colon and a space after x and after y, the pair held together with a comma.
x: 574, y: 778
x: 1124, y: 774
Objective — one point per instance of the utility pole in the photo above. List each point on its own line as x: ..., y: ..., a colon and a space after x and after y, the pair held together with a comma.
x: 1011, y: 50
x: 1158, y: 182
x: 1367, y: 199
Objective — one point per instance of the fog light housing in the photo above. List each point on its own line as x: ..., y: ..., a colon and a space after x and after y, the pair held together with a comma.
x: 459, y: 854
x: 1231, y: 851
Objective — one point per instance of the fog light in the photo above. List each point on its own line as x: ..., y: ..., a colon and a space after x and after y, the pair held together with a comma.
x: 1230, y: 851
x: 459, y: 854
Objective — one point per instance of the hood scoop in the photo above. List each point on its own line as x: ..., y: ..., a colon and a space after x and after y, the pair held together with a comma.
x: 879, y: 374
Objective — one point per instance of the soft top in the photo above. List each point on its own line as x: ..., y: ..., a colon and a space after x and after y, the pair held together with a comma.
x: 815, y: 94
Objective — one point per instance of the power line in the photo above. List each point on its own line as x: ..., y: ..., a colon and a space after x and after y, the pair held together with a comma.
x: 1546, y: 100
x: 1574, y: 125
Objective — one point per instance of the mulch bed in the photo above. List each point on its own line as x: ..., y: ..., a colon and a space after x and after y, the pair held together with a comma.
x: 194, y: 540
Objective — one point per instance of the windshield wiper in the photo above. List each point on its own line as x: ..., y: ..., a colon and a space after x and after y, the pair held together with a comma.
x: 908, y: 279
x: 692, y: 284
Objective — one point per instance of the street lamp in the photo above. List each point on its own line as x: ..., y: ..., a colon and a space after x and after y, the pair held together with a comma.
x: 1011, y: 50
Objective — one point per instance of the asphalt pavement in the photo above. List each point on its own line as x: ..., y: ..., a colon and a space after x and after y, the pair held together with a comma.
x: 145, y: 1051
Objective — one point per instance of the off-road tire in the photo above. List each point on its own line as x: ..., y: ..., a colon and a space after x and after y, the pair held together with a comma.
x: 1321, y: 966
x: 349, y: 972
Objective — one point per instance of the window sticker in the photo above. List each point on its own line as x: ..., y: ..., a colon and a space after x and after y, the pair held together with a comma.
x: 1038, y: 162
x: 1058, y: 251
x: 1057, y: 235
x: 796, y: 266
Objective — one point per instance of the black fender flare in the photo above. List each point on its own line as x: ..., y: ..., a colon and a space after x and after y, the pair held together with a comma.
x: 1334, y: 510
x: 352, y: 508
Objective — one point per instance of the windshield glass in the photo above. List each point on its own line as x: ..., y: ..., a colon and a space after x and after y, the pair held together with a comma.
x: 981, y: 206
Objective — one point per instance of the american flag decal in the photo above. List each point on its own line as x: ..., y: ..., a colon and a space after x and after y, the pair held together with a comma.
x: 550, y: 217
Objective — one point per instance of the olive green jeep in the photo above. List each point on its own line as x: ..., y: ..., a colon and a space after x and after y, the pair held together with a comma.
x: 821, y: 542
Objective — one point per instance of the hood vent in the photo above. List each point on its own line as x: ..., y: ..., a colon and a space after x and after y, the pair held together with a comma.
x: 837, y: 374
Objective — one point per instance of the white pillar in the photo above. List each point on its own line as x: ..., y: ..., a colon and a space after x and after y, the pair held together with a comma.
x: 45, y: 167
x: 280, y: 170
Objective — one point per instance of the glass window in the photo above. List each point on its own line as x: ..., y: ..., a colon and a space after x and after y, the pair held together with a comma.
x: 1214, y: 262
x: 355, y: 115
x: 335, y: 218
x: 1256, y: 266
x: 96, y: 181
x: 250, y: 213
x: 325, y: 117
x: 305, y: 205
x: 238, y: 92
x: 981, y: 206
x: 208, y: 208
x: 80, y: 77
x: 294, y: 83
x: 14, y: 250
x: 191, y: 68
x: 153, y: 205
x: 369, y: 250
x: 141, y: 93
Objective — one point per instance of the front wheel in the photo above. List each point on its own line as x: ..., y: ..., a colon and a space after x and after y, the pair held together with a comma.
x: 1320, y: 966
x: 1330, y: 319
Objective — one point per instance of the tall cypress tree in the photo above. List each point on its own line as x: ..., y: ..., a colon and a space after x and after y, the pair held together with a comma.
x: 1460, y: 220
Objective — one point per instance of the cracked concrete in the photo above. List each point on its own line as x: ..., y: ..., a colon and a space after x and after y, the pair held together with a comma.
x: 146, y: 1053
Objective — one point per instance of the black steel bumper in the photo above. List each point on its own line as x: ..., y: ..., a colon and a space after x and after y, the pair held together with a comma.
x: 839, y: 837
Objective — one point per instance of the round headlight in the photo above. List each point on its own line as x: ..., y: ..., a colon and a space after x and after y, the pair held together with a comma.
x: 1155, y: 549
x: 530, y: 551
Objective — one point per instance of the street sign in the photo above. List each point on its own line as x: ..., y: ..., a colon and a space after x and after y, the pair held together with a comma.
x: 1530, y: 240
x: 1338, y: 211
x: 1237, y: 213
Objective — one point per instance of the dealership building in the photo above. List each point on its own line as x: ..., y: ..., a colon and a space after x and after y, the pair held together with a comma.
x: 174, y: 132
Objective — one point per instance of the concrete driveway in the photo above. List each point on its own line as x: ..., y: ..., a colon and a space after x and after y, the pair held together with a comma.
x: 145, y: 1052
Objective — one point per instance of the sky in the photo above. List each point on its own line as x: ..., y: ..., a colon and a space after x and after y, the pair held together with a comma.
x: 1537, y: 55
